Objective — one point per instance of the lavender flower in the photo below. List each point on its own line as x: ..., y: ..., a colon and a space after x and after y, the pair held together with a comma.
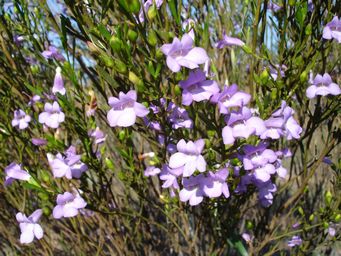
x: 179, y: 117
x: 34, y: 99
x: 333, y: 30
x: 68, y: 205
x: 241, y: 124
x: 58, y: 84
x: 52, y: 52
x: 322, y: 85
x: 282, y: 123
x: 215, y: 184
x: 29, y: 227
x: 52, y: 115
x: 230, y: 97
x: 147, y: 4
x: 188, y: 27
x: 125, y: 109
x: 197, y: 88
x: 278, y: 69
x: 181, y: 53
x: 69, y: 166
x: 192, y: 190
x: 97, y: 135
x: 21, y: 119
x: 295, y: 241
x: 228, y: 41
x: 189, y: 157
x: 151, y: 171
x: 273, y: 6
x: 38, y: 141
x: 169, y: 176
x: 14, y: 172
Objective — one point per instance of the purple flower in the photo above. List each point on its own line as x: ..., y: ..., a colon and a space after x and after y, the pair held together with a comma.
x: 295, y: 241
x: 21, y: 119
x: 332, y: 229
x: 52, y: 115
x: 69, y: 166
x: 230, y: 97
x: 39, y: 141
x: 147, y: 4
x: 333, y: 30
x: 189, y: 157
x: 197, y: 88
x: 34, y: 99
x: 169, y: 176
x: 188, y: 27
x: 278, y: 69
x: 58, y: 84
x: 151, y: 171
x: 228, y: 41
x: 282, y: 123
x: 68, y: 205
x: 266, y: 190
x: 181, y: 53
x: 124, y: 109
x: 179, y: 117
x: 274, y: 7
x: 97, y: 135
x: 29, y: 227
x: 241, y: 124
x: 322, y: 85
x: 14, y: 172
x: 192, y: 190
x: 52, y: 52
x: 215, y: 184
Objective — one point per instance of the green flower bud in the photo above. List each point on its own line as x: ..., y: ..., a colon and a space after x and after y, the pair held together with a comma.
x: 122, y: 135
x: 136, y: 81
x: 108, y: 61
x: 308, y: 29
x: 46, y: 211
x: 134, y: 6
x: 292, y: 2
x: 249, y: 225
x: 132, y: 35
x: 159, y: 54
x: 45, y: 176
x: 325, y: 225
x: 43, y: 196
x: 304, y: 76
x: 109, y: 163
x: 152, y: 38
x: 300, y: 210
x: 35, y: 69
x: 246, y: 49
x: 264, y: 76
x: 152, y: 12
x: 177, y: 90
x: 274, y: 93
x: 328, y: 197
x: 120, y: 67
x: 337, y: 217
x: 311, y: 217
x: 115, y: 44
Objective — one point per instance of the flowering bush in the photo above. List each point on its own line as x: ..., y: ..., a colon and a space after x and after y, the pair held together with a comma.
x: 169, y: 127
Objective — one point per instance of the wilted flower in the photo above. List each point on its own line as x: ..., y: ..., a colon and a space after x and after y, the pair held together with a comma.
x: 69, y: 166
x: 322, y: 85
x: 228, y: 41
x: 181, y: 53
x: 14, y: 172
x: 29, y: 227
x: 151, y: 171
x: 189, y: 157
x: 34, y: 99
x: 52, y: 115
x: 197, y: 88
x: 58, y: 84
x: 333, y: 30
x: 52, y: 52
x: 125, y: 109
x: 21, y: 119
x: 295, y: 241
x: 68, y: 205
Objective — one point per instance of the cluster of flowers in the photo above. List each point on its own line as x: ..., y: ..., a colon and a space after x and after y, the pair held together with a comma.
x: 67, y: 165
